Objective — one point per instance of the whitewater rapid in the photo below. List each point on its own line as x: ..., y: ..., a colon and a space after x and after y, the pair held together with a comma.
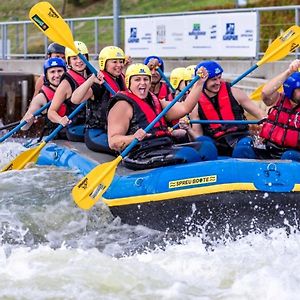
x: 50, y: 249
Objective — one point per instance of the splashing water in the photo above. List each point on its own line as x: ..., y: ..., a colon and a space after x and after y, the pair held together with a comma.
x: 50, y: 249
x: 9, y: 150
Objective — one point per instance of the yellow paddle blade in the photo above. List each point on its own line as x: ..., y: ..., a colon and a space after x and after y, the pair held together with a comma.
x: 256, y: 95
x: 91, y: 187
x: 49, y: 21
x: 287, y: 42
x: 28, y: 156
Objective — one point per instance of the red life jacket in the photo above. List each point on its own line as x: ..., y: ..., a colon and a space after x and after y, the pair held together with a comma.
x: 113, y: 83
x: 282, y: 126
x: 227, y: 109
x: 75, y: 79
x: 49, y: 94
x: 170, y: 98
x: 144, y: 113
x: 163, y: 91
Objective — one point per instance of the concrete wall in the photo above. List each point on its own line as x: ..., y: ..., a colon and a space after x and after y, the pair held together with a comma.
x: 232, y: 67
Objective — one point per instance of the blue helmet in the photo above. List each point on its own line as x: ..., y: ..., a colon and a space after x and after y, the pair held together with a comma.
x: 160, y: 61
x: 212, y: 67
x: 54, y: 62
x: 292, y: 83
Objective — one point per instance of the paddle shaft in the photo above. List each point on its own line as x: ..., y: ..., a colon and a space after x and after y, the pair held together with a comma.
x: 31, y: 155
x: 7, y: 126
x: 225, y: 121
x: 22, y: 123
x: 92, y: 69
x: 236, y: 122
x: 160, y: 115
x: 243, y: 75
x: 161, y: 73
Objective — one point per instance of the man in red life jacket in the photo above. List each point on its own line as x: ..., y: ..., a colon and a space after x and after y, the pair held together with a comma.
x: 219, y: 101
x: 281, y: 131
x: 132, y: 110
x: 158, y: 87
x: 54, y: 68
x: 53, y: 50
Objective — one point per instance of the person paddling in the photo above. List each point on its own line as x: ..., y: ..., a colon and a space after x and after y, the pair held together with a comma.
x: 54, y: 68
x: 74, y: 77
x: 111, y: 63
x: 217, y: 100
x: 132, y: 110
x: 281, y: 131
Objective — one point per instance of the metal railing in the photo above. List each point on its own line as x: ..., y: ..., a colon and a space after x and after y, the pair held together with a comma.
x: 21, y: 40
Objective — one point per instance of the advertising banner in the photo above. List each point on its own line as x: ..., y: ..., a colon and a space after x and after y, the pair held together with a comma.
x: 207, y: 35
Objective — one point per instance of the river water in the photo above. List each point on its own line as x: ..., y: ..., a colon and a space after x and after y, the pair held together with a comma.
x: 50, y: 249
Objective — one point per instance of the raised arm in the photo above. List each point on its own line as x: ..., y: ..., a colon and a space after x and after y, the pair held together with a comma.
x: 84, y: 91
x: 270, y: 92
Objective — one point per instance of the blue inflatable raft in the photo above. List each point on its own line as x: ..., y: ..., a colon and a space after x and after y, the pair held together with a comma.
x: 223, y: 195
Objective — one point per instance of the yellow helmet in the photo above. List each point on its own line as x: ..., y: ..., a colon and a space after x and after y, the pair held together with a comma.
x: 81, y: 47
x: 189, y: 72
x: 176, y: 76
x: 110, y: 52
x: 136, y: 69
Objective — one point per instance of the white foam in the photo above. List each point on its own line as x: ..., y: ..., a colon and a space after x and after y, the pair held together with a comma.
x: 9, y: 150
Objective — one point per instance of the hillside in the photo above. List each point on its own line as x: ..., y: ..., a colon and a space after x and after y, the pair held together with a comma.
x: 18, y: 10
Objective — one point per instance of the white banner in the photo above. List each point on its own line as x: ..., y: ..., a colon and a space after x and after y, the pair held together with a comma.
x: 207, y: 35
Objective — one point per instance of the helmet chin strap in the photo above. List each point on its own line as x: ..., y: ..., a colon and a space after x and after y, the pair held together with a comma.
x: 47, y: 82
x: 55, y: 85
x: 205, y: 88
x: 293, y: 99
x: 79, y: 72
x: 113, y: 76
x: 297, y: 102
